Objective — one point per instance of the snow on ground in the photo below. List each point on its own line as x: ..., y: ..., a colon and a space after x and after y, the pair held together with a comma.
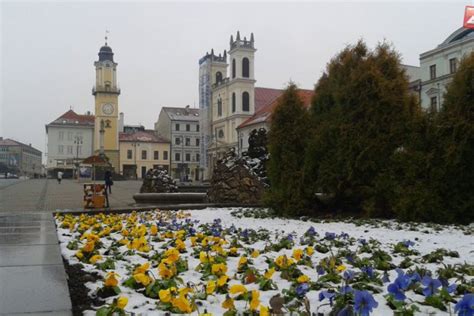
x: 426, y: 239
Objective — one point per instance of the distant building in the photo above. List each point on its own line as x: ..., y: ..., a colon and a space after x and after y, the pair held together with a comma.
x: 414, y: 78
x: 20, y: 158
x: 262, y: 118
x: 142, y: 150
x: 181, y: 126
x: 439, y: 65
x: 70, y: 139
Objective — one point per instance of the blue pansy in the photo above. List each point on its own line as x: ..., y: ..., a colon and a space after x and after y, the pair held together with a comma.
x: 302, y: 289
x: 363, y: 241
x: 451, y: 288
x: 385, y: 277
x: 311, y: 231
x: 408, y: 243
x: 326, y: 295
x: 431, y: 284
x: 320, y: 270
x: 330, y: 236
x: 369, y: 271
x: 465, y: 307
x: 364, y: 303
x: 348, y: 275
x: 346, y: 289
x: 398, y: 287
x: 346, y: 311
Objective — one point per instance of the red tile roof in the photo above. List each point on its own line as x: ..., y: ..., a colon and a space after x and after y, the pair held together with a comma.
x: 264, y: 96
x: 147, y: 136
x: 71, y: 117
x: 264, y: 113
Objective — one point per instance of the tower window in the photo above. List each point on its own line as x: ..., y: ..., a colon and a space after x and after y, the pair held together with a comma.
x: 107, y: 123
x: 245, y: 102
x: 245, y: 67
x: 218, y: 77
x: 233, y: 68
x: 233, y: 102
x: 219, y: 107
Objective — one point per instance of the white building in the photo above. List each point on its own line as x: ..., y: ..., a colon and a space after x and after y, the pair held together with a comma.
x: 182, y: 127
x: 439, y: 64
x: 70, y: 140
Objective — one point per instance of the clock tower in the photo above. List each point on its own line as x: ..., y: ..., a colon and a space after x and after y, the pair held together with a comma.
x: 106, y: 92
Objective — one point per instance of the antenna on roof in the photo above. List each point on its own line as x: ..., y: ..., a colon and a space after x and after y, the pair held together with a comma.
x: 106, y: 37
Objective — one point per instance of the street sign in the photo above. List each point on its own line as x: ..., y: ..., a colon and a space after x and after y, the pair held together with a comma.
x: 469, y: 17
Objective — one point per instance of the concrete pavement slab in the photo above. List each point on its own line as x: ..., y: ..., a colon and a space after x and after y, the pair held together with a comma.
x: 13, y: 255
x: 29, y: 239
x: 34, y: 289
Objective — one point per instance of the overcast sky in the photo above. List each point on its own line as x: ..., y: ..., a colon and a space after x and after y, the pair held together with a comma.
x: 48, y: 49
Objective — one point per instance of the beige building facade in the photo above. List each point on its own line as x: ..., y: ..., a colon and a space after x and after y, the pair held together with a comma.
x: 141, y: 151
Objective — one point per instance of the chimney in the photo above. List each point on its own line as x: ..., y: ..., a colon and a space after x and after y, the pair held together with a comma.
x: 121, y: 122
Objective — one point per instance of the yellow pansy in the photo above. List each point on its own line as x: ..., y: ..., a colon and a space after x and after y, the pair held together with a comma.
x: 282, y: 261
x: 341, y: 268
x: 185, y: 290
x: 303, y: 279
x: 153, y: 230
x: 264, y: 311
x: 172, y: 254
x: 193, y: 241
x: 210, y: 287
x: 269, y: 273
x: 142, y: 268
x: 222, y: 280
x: 165, y: 295
x: 95, y: 258
x: 242, y: 261
x: 233, y: 251
x: 309, y: 250
x: 219, y: 268
x: 255, y: 254
x: 165, y: 271
x: 255, y: 301
x: 89, y: 246
x: 237, y: 289
x: 122, y: 301
x: 203, y: 257
x: 182, y: 304
x: 142, y: 278
x: 79, y: 254
x: 228, y: 303
x: 180, y: 245
x: 298, y: 254
x: 111, y: 279
x: 124, y: 241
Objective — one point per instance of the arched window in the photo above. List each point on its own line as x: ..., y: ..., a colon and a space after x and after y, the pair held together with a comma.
x: 245, y: 102
x: 218, y: 77
x: 221, y: 134
x: 245, y: 68
x: 233, y: 68
x: 219, y: 107
x: 233, y: 102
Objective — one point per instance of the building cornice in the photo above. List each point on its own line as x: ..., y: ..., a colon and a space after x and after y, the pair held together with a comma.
x: 441, y: 49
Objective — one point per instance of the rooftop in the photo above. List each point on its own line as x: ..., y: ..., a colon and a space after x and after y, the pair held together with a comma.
x: 72, y: 118
x: 264, y: 113
x: 147, y: 136
x: 11, y: 142
x: 182, y: 113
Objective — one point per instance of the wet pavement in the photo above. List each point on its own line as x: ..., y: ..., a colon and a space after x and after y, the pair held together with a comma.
x: 32, y: 276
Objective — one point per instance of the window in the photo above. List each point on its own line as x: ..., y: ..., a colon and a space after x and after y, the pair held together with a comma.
x: 432, y: 71
x: 176, y: 127
x: 198, y: 157
x: 218, y: 77
x: 177, y: 157
x: 219, y: 107
x: 233, y: 68
x: 129, y: 154
x: 245, y: 102
x: 61, y: 135
x: 188, y: 128
x: 165, y: 155
x: 197, y: 128
x: 233, y: 102
x: 69, y: 135
x: 177, y: 141
x: 197, y: 141
x: 245, y: 68
x: 188, y: 141
x: 144, y: 154
x: 221, y: 133
x: 69, y: 150
x: 156, y: 155
x: 188, y: 157
x: 60, y: 149
x: 452, y: 65
x: 434, y: 104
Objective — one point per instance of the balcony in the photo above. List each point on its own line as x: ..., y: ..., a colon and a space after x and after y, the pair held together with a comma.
x: 105, y: 89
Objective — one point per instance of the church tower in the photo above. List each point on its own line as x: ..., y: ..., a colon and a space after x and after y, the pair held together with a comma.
x: 106, y: 92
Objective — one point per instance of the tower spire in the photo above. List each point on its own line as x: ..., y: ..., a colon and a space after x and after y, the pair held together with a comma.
x: 238, y: 36
x: 106, y: 36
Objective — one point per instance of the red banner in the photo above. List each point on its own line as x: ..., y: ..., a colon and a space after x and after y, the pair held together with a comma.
x: 469, y: 17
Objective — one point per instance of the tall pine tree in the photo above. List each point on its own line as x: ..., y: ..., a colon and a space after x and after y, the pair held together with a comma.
x: 287, y: 143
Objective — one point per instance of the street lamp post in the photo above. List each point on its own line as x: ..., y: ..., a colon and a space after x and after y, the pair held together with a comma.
x: 135, y: 144
x: 77, y: 142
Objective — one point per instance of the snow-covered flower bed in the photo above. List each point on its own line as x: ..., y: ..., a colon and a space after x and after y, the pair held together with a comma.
x: 221, y: 262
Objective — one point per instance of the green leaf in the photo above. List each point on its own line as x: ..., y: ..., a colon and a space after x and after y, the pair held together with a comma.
x: 103, y: 311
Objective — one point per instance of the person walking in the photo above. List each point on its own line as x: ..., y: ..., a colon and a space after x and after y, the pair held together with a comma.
x: 60, y: 176
x: 108, y: 181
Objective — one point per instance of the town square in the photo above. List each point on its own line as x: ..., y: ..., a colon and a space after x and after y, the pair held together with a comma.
x: 237, y: 158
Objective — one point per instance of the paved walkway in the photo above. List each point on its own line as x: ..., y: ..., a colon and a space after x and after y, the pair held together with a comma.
x: 32, y: 276
x: 39, y: 195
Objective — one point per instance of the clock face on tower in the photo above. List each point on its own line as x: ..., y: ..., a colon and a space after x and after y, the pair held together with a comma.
x: 108, y: 108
